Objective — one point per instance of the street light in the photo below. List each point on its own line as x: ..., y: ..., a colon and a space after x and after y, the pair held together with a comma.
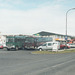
x: 66, y: 23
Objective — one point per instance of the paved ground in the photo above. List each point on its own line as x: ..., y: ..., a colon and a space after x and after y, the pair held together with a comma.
x: 25, y: 63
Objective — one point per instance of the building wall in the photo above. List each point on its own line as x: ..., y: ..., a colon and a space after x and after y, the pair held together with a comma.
x: 59, y: 37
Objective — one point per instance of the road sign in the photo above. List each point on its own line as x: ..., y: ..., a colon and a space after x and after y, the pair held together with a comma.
x: 65, y: 37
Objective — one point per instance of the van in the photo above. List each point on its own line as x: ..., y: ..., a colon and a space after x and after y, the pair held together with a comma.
x: 49, y: 46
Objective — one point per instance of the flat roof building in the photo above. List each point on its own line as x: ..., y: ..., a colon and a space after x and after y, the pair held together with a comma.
x: 54, y: 35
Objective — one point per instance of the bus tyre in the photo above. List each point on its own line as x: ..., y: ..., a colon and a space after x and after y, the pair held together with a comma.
x: 8, y: 49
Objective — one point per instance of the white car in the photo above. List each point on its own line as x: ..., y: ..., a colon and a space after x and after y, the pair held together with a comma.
x: 72, y: 45
x: 50, y: 46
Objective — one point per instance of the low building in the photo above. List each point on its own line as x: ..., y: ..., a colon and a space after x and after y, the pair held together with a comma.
x: 56, y: 37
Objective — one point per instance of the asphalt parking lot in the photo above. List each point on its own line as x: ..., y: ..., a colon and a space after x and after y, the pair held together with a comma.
x: 22, y: 62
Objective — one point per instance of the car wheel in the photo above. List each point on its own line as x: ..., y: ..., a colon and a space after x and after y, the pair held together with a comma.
x: 40, y: 49
x: 64, y: 47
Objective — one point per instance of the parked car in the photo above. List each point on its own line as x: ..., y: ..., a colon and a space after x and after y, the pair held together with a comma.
x: 50, y: 46
x: 72, y: 45
x: 1, y: 46
x: 62, y: 46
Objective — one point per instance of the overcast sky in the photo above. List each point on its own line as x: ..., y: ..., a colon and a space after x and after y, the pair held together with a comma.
x: 32, y: 16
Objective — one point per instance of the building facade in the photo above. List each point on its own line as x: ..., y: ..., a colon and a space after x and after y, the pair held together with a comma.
x: 56, y: 37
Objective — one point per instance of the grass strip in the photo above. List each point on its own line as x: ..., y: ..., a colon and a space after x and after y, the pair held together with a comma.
x: 53, y: 52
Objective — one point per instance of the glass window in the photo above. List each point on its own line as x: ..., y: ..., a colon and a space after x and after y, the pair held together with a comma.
x: 44, y: 39
x: 10, y: 40
x: 49, y: 44
x: 44, y: 45
x: 7, y: 40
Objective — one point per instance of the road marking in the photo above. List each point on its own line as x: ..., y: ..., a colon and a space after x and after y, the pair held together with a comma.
x: 48, y: 68
x: 62, y: 63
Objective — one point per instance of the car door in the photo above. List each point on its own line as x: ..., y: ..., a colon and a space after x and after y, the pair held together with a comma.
x: 44, y: 46
x: 49, y: 46
x: 55, y: 46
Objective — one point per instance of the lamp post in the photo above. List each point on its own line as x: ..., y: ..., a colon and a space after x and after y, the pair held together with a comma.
x: 66, y: 24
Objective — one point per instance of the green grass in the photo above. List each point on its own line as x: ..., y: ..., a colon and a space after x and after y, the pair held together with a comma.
x: 53, y: 52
